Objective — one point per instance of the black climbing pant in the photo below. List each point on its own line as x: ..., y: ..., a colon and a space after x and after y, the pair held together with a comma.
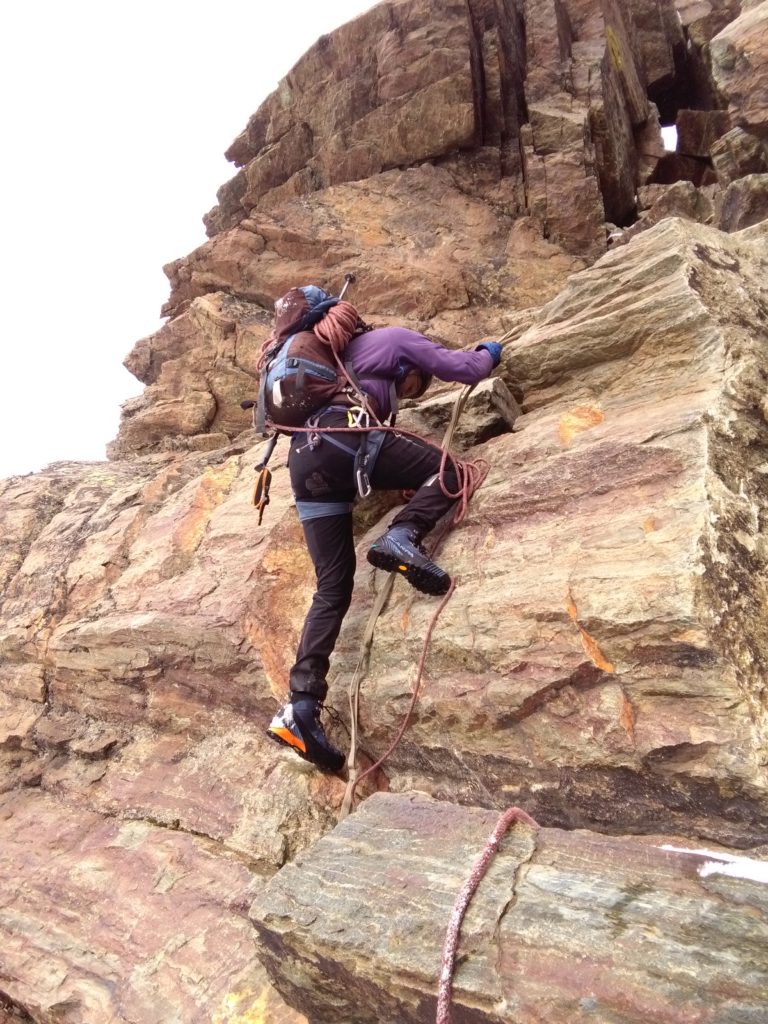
x: 323, y: 476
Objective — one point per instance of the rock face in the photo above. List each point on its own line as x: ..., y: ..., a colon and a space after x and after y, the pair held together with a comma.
x: 603, y: 660
x: 640, y: 457
x: 740, y: 66
x: 119, y: 920
x: 566, y: 926
x: 465, y: 170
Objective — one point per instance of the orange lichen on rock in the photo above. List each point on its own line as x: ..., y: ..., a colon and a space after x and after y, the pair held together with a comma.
x: 588, y: 642
x: 211, y: 490
x: 252, y: 1008
x: 577, y: 420
x: 627, y: 718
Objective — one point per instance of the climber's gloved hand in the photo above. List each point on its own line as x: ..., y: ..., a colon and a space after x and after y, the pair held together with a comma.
x: 495, y: 348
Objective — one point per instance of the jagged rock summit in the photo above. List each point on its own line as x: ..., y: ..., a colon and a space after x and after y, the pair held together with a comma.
x: 494, y: 167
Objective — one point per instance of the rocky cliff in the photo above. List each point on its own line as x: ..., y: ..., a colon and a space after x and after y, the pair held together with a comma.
x: 497, y: 167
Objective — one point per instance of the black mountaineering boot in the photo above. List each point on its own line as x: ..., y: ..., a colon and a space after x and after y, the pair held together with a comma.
x: 398, y: 550
x: 298, y: 726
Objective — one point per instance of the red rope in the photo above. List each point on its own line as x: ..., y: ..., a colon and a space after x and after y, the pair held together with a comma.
x: 338, y: 326
x: 336, y: 329
x: 414, y: 697
x: 470, y: 475
x: 462, y: 902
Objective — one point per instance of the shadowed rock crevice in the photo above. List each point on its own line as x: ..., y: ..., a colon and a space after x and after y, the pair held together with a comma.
x: 14, y: 1013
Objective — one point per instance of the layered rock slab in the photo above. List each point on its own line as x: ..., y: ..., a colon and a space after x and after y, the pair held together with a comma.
x: 603, y: 659
x: 134, y: 789
x: 108, y: 921
x: 740, y: 67
x: 565, y: 926
x: 145, y: 643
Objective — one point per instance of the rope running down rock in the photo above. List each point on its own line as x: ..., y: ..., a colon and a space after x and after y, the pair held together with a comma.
x: 470, y: 476
x: 475, y: 473
x: 462, y: 902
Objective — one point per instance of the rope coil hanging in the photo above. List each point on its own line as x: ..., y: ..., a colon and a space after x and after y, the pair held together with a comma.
x: 338, y: 326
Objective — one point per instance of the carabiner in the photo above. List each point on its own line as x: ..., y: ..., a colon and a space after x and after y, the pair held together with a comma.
x: 363, y: 484
x: 357, y: 418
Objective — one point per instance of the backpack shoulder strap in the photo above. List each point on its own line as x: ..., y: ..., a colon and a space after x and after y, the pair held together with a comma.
x: 260, y: 409
x: 351, y: 374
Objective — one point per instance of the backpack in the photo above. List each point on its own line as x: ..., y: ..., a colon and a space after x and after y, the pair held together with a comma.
x: 300, y: 379
x: 301, y: 370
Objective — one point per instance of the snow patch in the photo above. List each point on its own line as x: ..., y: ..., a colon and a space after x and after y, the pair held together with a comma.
x: 719, y: 863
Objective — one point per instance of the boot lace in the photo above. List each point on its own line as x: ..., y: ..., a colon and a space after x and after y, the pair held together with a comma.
x: 334, y: 715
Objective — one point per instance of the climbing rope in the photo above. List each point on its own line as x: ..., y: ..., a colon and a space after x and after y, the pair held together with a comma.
x: 338, y: 326
x: 462, y: 902
x: 355, y: 782
x: 469, y: 474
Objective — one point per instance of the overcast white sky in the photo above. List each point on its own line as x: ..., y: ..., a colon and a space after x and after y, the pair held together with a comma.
x: 115, y: 119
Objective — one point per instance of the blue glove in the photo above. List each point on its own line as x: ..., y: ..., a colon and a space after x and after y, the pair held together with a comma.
x: 495, y: 348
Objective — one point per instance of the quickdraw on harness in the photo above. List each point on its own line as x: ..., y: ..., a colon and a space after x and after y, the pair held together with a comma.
x: 358, y: 422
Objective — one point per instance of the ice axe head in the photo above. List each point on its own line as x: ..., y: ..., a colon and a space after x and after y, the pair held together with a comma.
x: 348, y: 280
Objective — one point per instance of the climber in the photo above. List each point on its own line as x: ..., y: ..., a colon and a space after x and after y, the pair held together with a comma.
x: 326, y: 471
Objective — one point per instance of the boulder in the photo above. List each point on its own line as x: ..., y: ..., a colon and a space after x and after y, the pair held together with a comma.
x: 682, y: 199
x: 703, y: 19
x: 697, y: 130
x: 737, y: 154
x: 565, y: 926
x: 745, y: 202
x: 491, y: 409
x: 675, y: 167
x: 198, y: 368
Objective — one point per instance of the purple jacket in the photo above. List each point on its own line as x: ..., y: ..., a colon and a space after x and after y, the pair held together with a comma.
x: 388, y: 353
